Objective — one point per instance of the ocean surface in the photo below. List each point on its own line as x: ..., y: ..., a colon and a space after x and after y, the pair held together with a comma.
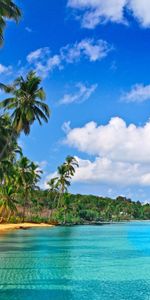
x: 76, y: 263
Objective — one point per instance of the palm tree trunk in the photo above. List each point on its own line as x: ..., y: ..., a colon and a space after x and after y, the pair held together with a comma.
x: 6, y: 145
x: 24, y: 205
x: 60, y: 195
x: 1, y: 213
x: 9, y: 215
x: 64, y: 215
x: 52, y: 207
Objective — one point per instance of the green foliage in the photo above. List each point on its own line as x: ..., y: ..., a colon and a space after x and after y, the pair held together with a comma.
x: 19, y: 176
x: 26, y: 102
x: 37, y: 219
x: 83, y: 209
x: 15, y: 220
x: 8, y: 10
x: 89, y: 215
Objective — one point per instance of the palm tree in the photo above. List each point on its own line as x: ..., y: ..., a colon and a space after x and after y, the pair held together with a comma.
x: 64, y: 178
x: 7, y: 201
x: 63, y: 181
x: 28, y: 174
x: 53, y: 191
x: 52, y: 183
x: 8, y: 10
x: 65, y: 172
x: 23, y: 180
x: 70, y: 163
x: 7, y: 187
x: 26, y: 104
x: 7, y: 145
x: 35, y: 175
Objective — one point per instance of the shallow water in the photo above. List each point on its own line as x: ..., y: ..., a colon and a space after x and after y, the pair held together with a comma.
x: 76, y: 263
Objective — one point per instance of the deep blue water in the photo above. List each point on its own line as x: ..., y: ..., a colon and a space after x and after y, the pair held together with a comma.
x: 76, y: 263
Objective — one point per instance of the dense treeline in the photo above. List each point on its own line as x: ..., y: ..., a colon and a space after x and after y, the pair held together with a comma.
x: 80, y: 209
x: 23, y: 106
x: 20, y: 196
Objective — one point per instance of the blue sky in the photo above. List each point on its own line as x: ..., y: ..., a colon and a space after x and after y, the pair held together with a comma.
x: 94, y: 58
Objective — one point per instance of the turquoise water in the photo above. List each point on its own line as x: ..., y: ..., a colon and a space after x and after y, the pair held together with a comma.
x: 76, y: 263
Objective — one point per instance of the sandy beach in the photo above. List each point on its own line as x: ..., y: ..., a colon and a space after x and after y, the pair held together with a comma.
x: 5, y: 227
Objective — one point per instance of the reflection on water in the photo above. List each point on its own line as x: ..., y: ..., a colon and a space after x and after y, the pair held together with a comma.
x: 74, y: 263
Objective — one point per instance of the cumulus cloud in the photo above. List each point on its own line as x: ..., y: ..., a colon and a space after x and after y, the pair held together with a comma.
x: 138, y: 93
x: 141, y: 11
x: 5, y: 69
x: 120, y: 152
x: 44, y: 62
x: 104, y: 170
x: 94, y: 12
x: 115, y: 140
x: 83, y: 93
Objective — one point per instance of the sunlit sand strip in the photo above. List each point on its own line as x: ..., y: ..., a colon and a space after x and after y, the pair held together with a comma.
x: 5, y: 227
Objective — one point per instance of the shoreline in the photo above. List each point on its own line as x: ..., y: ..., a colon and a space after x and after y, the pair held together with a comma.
x: 25, y: 226
x: 7, y: 227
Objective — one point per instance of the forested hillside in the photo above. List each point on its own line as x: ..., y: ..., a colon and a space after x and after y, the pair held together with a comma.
x: 80, y: 209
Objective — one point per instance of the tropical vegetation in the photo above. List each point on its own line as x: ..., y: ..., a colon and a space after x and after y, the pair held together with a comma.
x: 21, y: 199
x: 8, y: 10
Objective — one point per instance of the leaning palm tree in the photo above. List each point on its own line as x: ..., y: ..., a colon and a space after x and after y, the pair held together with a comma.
x: 8, y: 10
x: 26, y: 104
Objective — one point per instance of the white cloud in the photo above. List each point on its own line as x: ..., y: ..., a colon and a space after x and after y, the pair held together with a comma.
x: 141, y: 11
x: 138, y: 93
x: 83, y: 93
x: 104, y: 170
x: 40, y: 53
x: 99, y: 11
x: 44, y: 68
x: 90, y: 49
x: 94, y: 12
x: 115, y: 140
x: 53, y: 62
x: 43, y: 61
x: 120, y: 152
x: 5, y: 69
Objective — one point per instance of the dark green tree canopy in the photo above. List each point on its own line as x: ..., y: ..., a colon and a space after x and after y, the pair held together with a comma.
x: 8, y: 10
x: 26, y: 102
